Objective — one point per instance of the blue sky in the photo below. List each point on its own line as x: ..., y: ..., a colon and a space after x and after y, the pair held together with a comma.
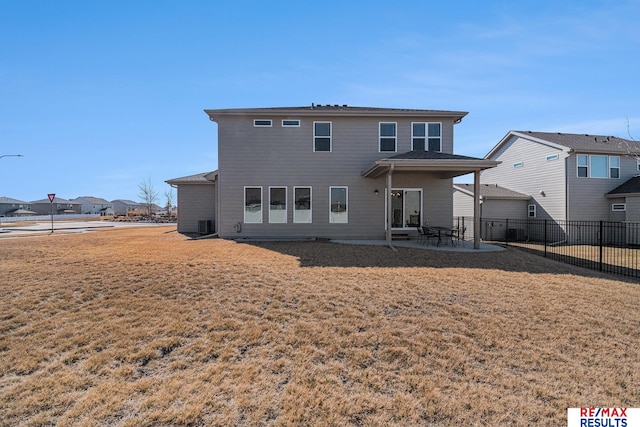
x: 100, y: 96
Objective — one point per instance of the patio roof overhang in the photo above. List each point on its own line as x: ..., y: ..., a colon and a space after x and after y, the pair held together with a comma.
x: 444, y: 167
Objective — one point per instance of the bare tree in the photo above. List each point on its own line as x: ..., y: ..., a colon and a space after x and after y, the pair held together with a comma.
x: 148, y: 195
x: 169, y: 197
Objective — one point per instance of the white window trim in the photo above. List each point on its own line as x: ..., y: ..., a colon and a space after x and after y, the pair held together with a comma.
x: 244, y: 205
x: 552, y: 157
x: 534, y: 211
x: 286, y: 204
x: 426, y: 143
x: 518, y: 164
x: 394, y: 137
x: 289, y: 125
x: 590, y: 168
x: 618, y: 207
x: 255, y: 123
x: 613, y: 167
x: 347, y: 207
x: 426, y: 131
x: 310, y: 221
x: 403, y: 189
x: 330, y: 137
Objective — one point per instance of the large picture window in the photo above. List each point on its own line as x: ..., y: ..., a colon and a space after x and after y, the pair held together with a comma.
x: 277, y: 205
x: 388, y: 136
x: 302, y: 205
x: 338, y: 205
x: 252, y: 205
x: 598, y: 166
x: 321, y: 136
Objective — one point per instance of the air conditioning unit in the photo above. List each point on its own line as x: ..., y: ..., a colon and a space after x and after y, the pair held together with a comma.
x: 204, y: 227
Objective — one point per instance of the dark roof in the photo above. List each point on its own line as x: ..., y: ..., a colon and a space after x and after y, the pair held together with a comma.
x: 337, y: 110
x: 430, y: 155
x: 586, y: 142
x: 493, y: 191
x: 629, y: 187
x: 199, y: 178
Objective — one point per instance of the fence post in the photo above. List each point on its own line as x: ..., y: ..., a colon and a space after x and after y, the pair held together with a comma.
x: 600, y: 244
x: 545, y: 238
x: 506, y: 232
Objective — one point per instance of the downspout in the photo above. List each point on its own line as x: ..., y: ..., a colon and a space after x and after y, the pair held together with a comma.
x: 389, y: 209
x: 476, y: 209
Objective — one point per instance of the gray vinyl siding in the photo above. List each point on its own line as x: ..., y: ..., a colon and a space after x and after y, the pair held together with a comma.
x: 586, y: 201
x: 277, y: 156
x: 536, y: 175
x: 633, y: 209
x: 196, y: 202
x: 489, y: 208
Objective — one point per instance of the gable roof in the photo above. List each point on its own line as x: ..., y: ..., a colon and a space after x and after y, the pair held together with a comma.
x: 199, y: 178
x: 492, y: 191
x: 336, y: 110
x: 575, y: 142
x: 56, y: 200
x: 631, y: 186
x: 12, y: 201
x: 93, y: 200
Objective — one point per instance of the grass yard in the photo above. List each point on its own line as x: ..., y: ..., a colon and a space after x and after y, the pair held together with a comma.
x: 137, y: 327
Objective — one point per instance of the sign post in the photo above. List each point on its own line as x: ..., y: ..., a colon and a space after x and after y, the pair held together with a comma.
x: 52, y: 197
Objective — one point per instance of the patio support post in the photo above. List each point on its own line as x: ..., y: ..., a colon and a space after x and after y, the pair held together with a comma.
x: 476, y: 209
x: 389, y: 210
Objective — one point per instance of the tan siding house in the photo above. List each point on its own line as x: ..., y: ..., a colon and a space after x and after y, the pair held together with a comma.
x: 327, y: 172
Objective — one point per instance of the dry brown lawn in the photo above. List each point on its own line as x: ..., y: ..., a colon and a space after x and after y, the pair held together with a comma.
x: 146, y: 327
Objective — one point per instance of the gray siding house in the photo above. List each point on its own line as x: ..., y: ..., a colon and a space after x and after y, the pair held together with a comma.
x: 326, y: 172
x: 125, y: 207
x: 59, y: 206
x: 568, y: 176
x: 14, y: 207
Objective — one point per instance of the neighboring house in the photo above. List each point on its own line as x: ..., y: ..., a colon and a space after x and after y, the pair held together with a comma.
x: 324, y: 171
x: 126, y: 207
x: 568, y: 176
x: 496, y: 202
x: 14, y: 207
x: 95, y: 205
x: 59, y: 206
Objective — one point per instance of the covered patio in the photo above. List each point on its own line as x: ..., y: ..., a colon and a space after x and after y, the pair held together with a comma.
x: 443, y: 165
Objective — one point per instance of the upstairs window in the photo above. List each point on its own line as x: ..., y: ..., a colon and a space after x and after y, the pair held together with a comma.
x: 388, y: 137
x: 259, y: 123
x: 583, y: 165
x: 614, y: 167
x: 435, y: 136
x: 598, y: 166
x: 321, y: 136
x: 291, y: 123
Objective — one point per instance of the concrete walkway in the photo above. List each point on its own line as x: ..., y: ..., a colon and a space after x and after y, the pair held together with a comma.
x: 461, y: 246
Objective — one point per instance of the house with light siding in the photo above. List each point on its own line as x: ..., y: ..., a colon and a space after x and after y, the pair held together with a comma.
x: 126, y: 207
x: 568, y: 176
x: 95, y: 205
x: 326, y: 171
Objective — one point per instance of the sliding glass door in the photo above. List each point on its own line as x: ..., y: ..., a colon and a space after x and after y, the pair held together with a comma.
x: 406, y: 207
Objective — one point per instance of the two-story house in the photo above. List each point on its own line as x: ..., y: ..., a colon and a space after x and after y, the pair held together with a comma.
x: 14, y: 207
x: 330, y: 171
x: 59, y: 206
x: 95, y: 205
x: 570, y: 177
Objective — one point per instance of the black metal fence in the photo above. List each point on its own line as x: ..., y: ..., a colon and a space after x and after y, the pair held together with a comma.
x: 612, y: 247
